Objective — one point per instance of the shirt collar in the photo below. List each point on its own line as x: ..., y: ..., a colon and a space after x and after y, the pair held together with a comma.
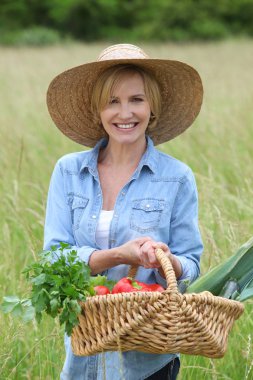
x: 91, y: 158
x: 149, y: 158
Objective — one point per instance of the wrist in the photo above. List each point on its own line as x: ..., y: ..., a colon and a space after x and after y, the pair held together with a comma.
x: 177, y: 266
x: 101, y: 260
x: 117, y: 255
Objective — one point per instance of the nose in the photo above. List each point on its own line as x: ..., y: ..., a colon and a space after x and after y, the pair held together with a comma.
x: 125, y: 111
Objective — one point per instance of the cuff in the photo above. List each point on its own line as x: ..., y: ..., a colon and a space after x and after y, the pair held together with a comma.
x: 189, y: 273
x: 84, y: 253
x: 186, y: 269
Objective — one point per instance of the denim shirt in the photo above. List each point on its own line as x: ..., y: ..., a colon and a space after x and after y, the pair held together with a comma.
x: 160, y: 200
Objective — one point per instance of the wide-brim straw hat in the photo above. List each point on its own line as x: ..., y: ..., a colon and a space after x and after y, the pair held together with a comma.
x: 69, y: 94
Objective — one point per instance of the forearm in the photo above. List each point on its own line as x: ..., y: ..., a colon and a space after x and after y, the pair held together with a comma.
x: 104, y: 259
x: 128, y: 253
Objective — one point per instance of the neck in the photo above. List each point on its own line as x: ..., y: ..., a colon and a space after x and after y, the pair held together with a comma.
x: 122, y: 154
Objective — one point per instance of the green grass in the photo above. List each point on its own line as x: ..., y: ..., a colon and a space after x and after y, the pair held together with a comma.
x: 218, y: 148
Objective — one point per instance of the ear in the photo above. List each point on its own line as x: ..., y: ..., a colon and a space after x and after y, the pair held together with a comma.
x: 152, y: 118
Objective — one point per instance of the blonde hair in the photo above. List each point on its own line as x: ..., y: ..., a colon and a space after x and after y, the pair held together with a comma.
x: 108, y: 80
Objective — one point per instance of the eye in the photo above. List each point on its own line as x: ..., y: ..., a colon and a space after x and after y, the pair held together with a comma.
x: 137, y: 99
x: 113, y: 101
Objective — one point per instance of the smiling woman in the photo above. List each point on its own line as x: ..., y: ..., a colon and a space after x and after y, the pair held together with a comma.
x: 126, y: 116
x: 104, y: 87
x: 118, y: 202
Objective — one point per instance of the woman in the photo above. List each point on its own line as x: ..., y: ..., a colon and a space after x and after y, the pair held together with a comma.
x: 115, y: 204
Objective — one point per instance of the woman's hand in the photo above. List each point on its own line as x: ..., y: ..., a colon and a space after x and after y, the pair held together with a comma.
x: 148, y: 255
x: 149, y: 259
x: 137, y: 252
x: 130, y: 253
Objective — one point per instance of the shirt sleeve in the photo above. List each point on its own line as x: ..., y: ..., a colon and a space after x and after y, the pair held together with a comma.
x: 58, y: 223
x: 185, y: 239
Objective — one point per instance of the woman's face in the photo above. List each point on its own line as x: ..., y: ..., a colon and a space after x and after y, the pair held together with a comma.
x: 126, y: 116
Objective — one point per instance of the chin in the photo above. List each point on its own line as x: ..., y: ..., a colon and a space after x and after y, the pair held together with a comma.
x: 131, y: 140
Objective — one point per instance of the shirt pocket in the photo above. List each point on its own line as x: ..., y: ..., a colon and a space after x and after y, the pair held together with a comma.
x: 77, y: 207
x: 146, y: 214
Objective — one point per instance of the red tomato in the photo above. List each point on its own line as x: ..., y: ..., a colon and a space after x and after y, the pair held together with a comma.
x: 150, y: 287
x: 155, y: 287
x: 143, y: 287
x: 101, y: 290
x: 125, y: 285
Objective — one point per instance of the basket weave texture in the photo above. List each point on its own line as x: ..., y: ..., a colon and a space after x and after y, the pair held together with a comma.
x: 154, y: 322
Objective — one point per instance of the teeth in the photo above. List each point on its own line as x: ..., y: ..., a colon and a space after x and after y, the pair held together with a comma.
x: 126, y: 126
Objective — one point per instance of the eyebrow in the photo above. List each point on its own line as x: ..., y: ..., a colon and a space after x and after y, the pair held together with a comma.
x: 132, y: 96
x: 138, y: 95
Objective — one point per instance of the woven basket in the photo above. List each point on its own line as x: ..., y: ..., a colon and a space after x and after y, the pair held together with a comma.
x: 153, y: 322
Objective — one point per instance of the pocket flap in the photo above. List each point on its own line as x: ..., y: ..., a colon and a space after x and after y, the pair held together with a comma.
x: 149, y: 204
x: 79, y: 202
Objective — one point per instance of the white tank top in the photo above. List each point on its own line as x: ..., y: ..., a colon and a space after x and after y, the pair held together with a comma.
x: 103, y: 228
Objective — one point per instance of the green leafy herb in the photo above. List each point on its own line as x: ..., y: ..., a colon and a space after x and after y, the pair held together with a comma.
x: 59, y: 281
x: 18, y: 308
x: 102, y: 280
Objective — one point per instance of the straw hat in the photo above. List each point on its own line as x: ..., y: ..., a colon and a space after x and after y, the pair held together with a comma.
x: 68, y: 96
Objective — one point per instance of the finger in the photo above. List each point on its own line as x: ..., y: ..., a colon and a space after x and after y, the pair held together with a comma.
x: 162, y: 246
x: 147, y: 246
x: 147, y: 258
x: 153, y: 261
x: 144, y: 258
x: 142, y: 240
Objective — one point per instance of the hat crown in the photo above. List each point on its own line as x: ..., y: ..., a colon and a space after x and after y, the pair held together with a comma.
x: 122, y: 51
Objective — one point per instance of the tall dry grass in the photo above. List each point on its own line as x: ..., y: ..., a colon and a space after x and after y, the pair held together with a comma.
x: 218, y: 148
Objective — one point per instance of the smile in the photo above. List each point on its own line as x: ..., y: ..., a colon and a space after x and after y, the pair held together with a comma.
x: 125, y: 126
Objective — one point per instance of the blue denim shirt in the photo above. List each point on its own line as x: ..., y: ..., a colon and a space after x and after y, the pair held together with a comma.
x: 160, y: 201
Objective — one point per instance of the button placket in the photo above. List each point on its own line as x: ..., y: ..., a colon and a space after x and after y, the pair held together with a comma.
x: 93, y: 219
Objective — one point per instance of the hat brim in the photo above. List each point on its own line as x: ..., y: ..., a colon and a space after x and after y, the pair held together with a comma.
x: 68, y: 99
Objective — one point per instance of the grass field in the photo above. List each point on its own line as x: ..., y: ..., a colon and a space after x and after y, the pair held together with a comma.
x: 218, y: 148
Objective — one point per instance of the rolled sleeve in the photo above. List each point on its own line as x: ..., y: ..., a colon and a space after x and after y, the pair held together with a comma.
x: 85, y: 253
x: 189, y: 272
x: 185, y: 241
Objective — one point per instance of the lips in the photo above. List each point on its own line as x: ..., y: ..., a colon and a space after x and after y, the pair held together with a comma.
x: 125, y: 126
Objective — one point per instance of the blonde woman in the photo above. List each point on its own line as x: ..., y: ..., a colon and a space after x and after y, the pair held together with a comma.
x: 116, y: 203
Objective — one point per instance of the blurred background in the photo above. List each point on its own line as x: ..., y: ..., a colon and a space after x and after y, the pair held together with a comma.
x: 41, y: 38
x: 37, y: 22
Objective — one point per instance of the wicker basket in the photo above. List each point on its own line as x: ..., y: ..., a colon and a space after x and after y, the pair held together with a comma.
x: 153, y: 322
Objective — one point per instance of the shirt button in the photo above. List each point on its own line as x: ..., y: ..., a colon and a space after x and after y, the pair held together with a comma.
x: 147, y: 205
x: 93, y: 216
x: 123, y: 193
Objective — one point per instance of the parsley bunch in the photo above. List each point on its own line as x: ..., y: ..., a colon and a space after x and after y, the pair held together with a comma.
x: 59, y: 281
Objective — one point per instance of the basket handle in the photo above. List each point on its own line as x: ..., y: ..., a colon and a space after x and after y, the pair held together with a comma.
x: 132, y: 271
x: 167, y: 268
